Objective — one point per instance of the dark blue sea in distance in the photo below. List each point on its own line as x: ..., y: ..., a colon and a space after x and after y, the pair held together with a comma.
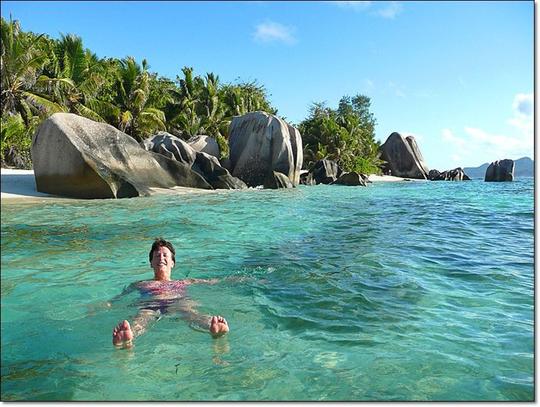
x: 395, y: 291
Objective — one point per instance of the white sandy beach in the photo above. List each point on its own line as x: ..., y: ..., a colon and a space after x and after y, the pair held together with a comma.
x: 21, y: 184
x: 386, y: 178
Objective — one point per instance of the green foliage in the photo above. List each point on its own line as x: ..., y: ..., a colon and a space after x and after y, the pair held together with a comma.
x: 345, y: 135
x: 22, y: 56
x: 223, y: 146
x: 14, y: 133
x: 203, y: 106
x: 245, y: 97
x: 135, y: 91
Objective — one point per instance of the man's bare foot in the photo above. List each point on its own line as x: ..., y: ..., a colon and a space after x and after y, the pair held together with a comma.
x: 218, y: 326
x: 122, y: 335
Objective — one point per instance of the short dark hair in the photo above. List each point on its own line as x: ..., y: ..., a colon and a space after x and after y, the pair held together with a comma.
x: 159, y: 242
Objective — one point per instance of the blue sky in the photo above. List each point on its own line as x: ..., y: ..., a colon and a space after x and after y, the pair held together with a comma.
x: 456, y: 75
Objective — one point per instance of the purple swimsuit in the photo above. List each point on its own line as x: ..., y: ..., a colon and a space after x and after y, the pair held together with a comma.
x: 159, y: 295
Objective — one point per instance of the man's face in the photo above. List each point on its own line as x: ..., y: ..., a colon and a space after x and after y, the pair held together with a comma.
x: 162, y: 262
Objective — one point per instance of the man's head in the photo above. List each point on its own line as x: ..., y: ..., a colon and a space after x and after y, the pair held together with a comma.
x: 162, y: 259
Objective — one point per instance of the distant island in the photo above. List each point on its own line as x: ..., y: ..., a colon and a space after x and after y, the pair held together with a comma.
x: 524, y: 167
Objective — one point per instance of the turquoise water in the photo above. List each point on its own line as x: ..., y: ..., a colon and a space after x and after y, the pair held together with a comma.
x: 397, y: 291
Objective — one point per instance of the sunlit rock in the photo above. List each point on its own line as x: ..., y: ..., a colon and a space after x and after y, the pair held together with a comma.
x: 260, y: 143
x: 403, y: 157
x: 77, y: 157
x: 499, y: 171
x: 352, y: 179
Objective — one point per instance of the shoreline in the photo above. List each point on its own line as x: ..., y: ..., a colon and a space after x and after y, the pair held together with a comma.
x: 21, y: 185
x: 389, y: 178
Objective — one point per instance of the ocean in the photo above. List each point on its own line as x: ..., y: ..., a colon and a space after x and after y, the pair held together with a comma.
x: 395, y: 291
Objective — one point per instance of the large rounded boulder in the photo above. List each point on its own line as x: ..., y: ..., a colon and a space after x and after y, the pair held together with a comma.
x: 500, y: 171
x: 325, y: 172
x: 403, y: 157
x: 352, y: 179
x: 261, y: 143
x: 77, y: 157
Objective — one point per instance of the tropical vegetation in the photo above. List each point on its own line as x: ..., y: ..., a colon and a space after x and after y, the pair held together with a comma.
x: 41, y: 76
x: 345, y: 135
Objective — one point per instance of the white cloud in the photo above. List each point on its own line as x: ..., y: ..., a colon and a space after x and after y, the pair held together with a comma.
x: 355, y: 5
x: 523, y: 120
x: 450, y: 138
x: 497, y: 143
x: 391, y: 10
x: 381, y: 9
x: 274, y: 32
x: 523, y: 104
x: 523, y: 115
x: 485, y: 146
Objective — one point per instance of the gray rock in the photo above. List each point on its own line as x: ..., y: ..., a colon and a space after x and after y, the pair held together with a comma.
x: 77, y: 157
x: 297, y: 150
x: 205, y: 144
x: 499, y: 171
x: 435, y: 175
x: 260, y: 143
x: 351, y: 179
x: 170, y: 146
x: 208, y: 167
x: 306, y: 178
x: 523, y: 167
x: 403, y: 157
x: 225, y: 163
x: 457, y: 174
x: 325, y: 172
x: 277, y: 180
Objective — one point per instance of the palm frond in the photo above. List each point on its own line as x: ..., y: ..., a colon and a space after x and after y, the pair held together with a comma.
x: 44, y: 103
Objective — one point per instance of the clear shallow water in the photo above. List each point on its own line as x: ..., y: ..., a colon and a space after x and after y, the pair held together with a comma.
x: 398, y: 291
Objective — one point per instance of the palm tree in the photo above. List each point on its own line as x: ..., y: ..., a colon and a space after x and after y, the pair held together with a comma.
x: 187, y: 119
x: 136, y: 116
x: 21, y: 60
x: 246, y: 97
x: 74, y: 77
x: 215, y: 122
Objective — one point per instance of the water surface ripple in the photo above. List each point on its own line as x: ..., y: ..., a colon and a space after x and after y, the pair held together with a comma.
x: 397, y: 291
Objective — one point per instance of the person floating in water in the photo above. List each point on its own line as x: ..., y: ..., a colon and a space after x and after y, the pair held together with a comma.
x: 162, y: 295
